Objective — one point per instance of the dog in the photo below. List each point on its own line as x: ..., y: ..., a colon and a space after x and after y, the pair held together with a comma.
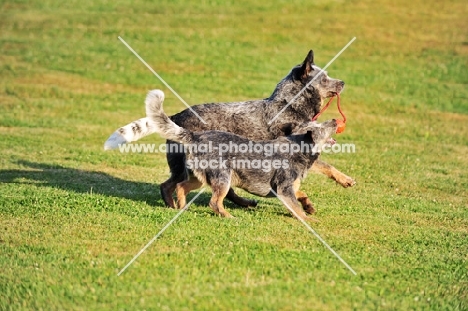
x: 276, y: 172
x: 250, y: 119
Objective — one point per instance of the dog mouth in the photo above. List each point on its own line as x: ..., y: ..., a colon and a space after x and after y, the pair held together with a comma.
x: 333, y: 93
x: 338, y: 90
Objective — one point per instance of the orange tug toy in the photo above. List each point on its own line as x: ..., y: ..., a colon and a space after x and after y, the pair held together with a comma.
x: 341, y: 123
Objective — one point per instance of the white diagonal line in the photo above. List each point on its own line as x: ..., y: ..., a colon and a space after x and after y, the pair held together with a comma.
x: 310, y: 82
x: 316, y: 234
x: 160, y: 232
x: 161, y: 79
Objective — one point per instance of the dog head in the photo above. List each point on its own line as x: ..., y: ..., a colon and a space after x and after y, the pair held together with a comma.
x: 308, y: 74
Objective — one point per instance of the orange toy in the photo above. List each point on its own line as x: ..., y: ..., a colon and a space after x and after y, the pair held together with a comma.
x: 341, y: 123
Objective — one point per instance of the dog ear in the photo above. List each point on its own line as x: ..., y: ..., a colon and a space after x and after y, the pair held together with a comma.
x: 317, y: 135
x: 310, y: 58
x: 307, y: 64
x: 305, y: 68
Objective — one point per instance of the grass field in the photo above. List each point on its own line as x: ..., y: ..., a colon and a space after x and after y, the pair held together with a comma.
x: 72, y: 215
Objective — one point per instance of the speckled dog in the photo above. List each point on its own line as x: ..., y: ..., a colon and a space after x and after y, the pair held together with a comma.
x: 249, y: 119
x: 221, y: 170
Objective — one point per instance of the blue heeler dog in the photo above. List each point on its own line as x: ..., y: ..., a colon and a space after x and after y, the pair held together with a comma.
x: 250, y: 119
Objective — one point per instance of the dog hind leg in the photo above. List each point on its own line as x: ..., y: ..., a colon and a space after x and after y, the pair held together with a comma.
x: 176, y: 162
x: 243, y: 202
x: 183, y: 188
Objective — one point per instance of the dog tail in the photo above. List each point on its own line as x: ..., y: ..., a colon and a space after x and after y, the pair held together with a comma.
x: 156, y: 121
x: 130, y: 132
x: 163, y: 125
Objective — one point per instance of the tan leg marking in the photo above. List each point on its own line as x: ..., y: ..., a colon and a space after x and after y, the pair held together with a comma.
x: 333, y: 173
x: 183, y: 188
x: 216, y: 202
x: 302, y: 197
x: 292, y: 203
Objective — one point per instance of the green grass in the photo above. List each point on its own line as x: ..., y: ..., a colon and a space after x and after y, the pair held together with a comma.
x: 72, y: 215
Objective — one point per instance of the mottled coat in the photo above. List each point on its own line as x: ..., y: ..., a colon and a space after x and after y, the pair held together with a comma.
x: 296, y: 99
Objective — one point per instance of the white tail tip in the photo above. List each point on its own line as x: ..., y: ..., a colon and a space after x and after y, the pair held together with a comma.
x: 158, y: 94
x: 114, y: 141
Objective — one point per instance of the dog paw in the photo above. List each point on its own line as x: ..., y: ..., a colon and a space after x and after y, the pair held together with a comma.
x: 346, y: 181
x: 252, y: 203
x: 306, y: 204
x: 309, y: 209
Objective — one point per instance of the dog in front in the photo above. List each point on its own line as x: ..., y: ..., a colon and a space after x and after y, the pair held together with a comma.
x: 277, y: 172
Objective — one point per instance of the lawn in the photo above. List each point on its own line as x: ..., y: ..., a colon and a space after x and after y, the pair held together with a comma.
x: 72, y: 215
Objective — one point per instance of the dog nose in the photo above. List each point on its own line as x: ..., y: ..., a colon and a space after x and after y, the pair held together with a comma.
x: 342, y: 83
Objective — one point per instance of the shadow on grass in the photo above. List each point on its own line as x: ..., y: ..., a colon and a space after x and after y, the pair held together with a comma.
x: 81, y: 181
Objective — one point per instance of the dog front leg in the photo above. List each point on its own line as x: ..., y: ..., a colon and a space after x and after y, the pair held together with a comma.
x: 328, y: 170
x: 288, y: 198
x: 302, y: 197
x: 307, y: 205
